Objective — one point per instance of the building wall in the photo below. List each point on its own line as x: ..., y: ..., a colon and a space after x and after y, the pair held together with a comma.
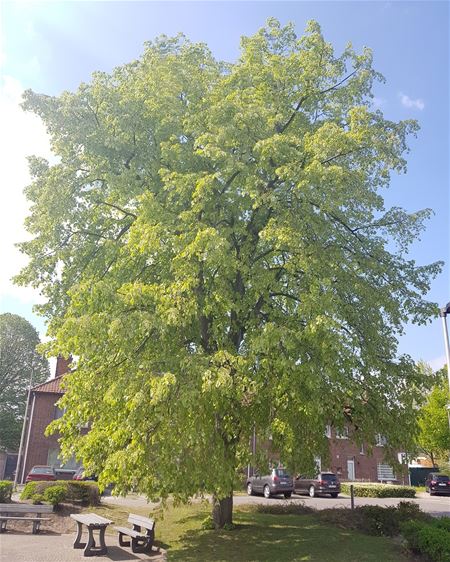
x: 37, y: 445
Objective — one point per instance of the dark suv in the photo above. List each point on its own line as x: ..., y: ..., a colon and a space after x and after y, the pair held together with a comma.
x: 324, y: 483
x: 437, y: 483
x: 277, y: 482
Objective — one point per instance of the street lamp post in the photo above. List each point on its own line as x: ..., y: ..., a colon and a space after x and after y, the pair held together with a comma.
x: 443, y: 314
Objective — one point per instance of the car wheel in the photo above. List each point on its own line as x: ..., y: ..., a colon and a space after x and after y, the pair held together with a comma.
x: 334, y: 495
x: 287, y: 495
x: 266, y: 492
x: 312, y: 491
x: 250, y: 489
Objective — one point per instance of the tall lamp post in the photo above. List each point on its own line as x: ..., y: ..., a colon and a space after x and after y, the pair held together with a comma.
x: 443, y: 314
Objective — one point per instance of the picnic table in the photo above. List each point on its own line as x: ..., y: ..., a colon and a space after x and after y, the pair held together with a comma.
x: 93, y: 523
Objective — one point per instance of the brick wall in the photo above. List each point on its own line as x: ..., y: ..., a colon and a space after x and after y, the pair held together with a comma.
x: 38, y: 444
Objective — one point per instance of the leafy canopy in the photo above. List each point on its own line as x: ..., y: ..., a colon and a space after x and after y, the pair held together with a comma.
x: 20, y: 365
x: 214, y: 248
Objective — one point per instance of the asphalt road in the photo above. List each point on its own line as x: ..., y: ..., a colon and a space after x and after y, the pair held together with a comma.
x: 436, y: 505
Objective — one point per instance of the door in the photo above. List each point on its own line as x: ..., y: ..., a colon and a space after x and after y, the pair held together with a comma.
x: 350, y: 469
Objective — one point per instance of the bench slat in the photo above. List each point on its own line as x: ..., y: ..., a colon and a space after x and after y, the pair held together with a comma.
x: 7, y: 518
x: 24, y: 508
x: 141, y: 521
x: 130, y: 532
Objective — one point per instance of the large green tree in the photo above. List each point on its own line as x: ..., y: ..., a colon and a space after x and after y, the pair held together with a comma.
x: 214, y: 248
x: 20, y: 365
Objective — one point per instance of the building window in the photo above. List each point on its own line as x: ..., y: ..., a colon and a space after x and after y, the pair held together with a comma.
x: 361, y: 449
x: 380, y: 440
x: 318, y: 462
x: 328, y: 431
x: 385, y: 472
x: 342, y: 433
x: 59, y: 412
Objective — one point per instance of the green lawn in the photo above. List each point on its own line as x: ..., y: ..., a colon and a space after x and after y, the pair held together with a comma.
x: 260, y: 537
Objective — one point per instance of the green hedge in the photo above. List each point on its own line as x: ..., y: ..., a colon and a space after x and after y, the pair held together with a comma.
x: 74, y: 492
x: 6, y: 488
x: 430, y: 538
x: 374, y: 519
x: 379, y: 490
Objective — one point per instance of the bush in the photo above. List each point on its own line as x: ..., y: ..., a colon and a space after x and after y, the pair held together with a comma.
x: 379, y: 490
x: 37, y: 499
x: 6, y: 488
x: 74, y: 491
x: 284, y: 509
x: 431, y: 539
x: 374, y: 519
x: 55, y: 494
x: 29, y: 490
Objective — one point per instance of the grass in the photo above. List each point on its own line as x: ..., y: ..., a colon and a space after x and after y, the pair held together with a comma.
x: 259, y: 537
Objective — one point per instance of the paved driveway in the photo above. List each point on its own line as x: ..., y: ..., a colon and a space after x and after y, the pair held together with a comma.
x: 436, y: 505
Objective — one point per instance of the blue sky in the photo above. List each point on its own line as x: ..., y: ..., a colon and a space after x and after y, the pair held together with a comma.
x: 53, y: 46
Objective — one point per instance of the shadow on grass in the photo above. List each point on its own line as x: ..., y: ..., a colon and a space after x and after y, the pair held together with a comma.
x: 292, y: 538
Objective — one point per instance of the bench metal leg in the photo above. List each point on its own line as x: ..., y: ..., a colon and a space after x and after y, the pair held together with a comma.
x: 141, y: 545
x: 3, y: 525
x: 77, y: 543
x: 123, y: 542
x: 91, y: 548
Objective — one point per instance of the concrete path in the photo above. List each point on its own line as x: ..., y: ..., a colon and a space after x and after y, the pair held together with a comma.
x: 26, y: 547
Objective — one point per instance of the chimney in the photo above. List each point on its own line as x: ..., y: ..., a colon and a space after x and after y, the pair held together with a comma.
x: 62, y: 365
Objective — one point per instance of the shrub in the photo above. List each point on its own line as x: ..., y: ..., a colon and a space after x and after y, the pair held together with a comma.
x: 430, y: 538
x: 6, y: 488
x: 29, y: 490
x: 55, y: 494
x: 37, y: 499
x: 373, y: 519
x: 74, y: 491
x: 284, y: 509
x: 379, y: 490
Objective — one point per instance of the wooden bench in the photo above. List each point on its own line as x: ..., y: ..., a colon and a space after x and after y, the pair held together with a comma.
x: 93, y: 523
x: 17, y: 511
x: 142, y: 534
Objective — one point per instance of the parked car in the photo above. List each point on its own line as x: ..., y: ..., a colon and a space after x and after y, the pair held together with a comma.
x: 81, y: 475
x: 437, y: 483
x: 278, y: 481
x: 323, y: 483
x: 41, y: 473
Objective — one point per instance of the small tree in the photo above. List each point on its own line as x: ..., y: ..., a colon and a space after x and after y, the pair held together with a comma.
x: 214, y: 248
x: 434, y: 433
x: 20, y: 363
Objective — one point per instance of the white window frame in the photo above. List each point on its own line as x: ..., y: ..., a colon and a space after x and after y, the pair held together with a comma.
x: 342, y: 433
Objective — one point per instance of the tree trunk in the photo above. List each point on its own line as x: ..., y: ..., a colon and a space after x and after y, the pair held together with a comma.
x: 222, y: 512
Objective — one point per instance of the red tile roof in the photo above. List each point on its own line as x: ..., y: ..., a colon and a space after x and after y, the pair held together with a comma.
x: 52, y: 386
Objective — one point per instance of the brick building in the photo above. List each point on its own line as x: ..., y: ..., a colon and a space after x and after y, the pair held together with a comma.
x: 36, y: 448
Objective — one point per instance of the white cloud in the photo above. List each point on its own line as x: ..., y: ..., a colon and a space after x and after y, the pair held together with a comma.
x: 21, y: 135
x: 406, y: 101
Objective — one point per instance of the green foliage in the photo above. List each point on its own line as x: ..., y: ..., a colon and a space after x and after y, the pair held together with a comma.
x: 379, y: 490
x: 6, y: 488
x: 74, y: 491
x: 431, y: 539
x: 29, y: 490
x: 37, y: 499
x: 374, y: 519
x: 434, y: 437
x: 214, y: 248
x: 19, y: 364
x: 55, y: 494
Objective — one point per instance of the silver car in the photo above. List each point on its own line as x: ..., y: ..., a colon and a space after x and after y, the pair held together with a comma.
x: 275, y: 483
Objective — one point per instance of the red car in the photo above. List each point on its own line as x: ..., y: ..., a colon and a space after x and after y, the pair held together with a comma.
x: 41, y: 473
